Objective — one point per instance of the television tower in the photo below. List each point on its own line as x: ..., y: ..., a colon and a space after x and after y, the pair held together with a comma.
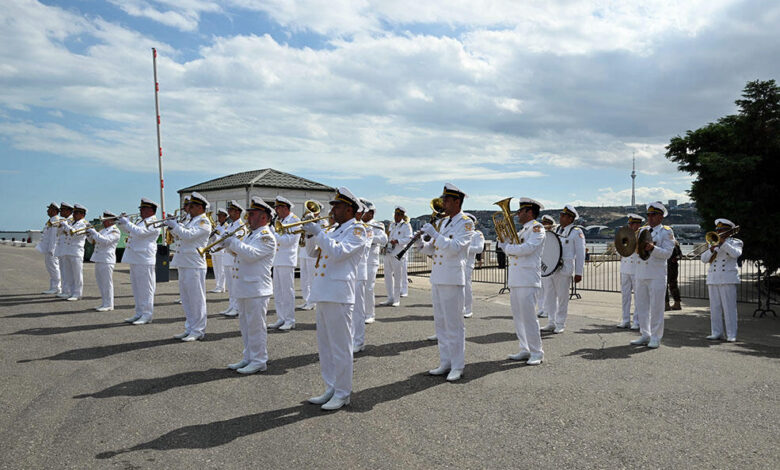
x: 633, y: 179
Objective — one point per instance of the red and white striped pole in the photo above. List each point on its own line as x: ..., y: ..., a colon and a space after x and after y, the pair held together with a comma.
x: 159, y: 142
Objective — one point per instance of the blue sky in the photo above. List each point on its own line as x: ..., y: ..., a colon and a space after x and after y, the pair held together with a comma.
x: 392, y: 99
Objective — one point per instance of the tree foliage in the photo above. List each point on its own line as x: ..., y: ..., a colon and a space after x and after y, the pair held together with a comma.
x: 736, y: 166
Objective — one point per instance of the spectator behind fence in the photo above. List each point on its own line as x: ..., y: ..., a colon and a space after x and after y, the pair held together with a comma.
x: 672, y: 271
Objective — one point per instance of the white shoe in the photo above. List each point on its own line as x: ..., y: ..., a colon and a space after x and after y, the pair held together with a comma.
x: 287, y: 326
x: 714, y: 337
x: 51, y: 291
x: 547, y: 327
x: 301, y: 306
x: 654, y: 343
x: 521, y: 356
x: 335, y: 403
x: 454, y: 375
x: 233, y: 313
x: 192, y: 337
x: 535, y: 359
x: 386, y: 303
x: 641, y: 341
x: 357, y: 349
x: 405, y: 295
x: 396, y: 304
x: 216, y: 291
x: 559, y: 329
x: 178, y: 301
x: 72, y: 299
x: 252, y: 369
x: 238, y: 365
x: 322, y: 399
x: 276, y: 324
x: 181, y: 335
x: 370, y: 320
x: 441, y: 370
x: 309, y: 306
x: 623, y: 324
x: 63, y: 295
x: 634, y: 327
x: 143, y: 320
x: 226, y: 311
x: 541, y: 315
x: 133, y: 318
x: 468, y: 315
x: 733, y: 339
x: 432, y: 338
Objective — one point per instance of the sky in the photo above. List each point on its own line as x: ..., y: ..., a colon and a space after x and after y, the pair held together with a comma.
x: 392, y: 99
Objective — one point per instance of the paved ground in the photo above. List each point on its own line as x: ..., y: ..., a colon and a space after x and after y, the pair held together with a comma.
x: 81, y: 390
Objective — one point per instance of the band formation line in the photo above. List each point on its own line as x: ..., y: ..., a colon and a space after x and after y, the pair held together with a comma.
x: 254, y: 252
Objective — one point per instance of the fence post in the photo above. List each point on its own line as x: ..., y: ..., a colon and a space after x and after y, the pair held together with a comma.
x: 761, y: 309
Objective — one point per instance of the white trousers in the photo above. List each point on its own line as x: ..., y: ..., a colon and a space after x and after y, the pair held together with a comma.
x: 450, y: 328
x: 405, y: 276
x: 469, y: 298
x: 229, y: 273
x: 334, y: 340
x: 104, y: 276
x: 53, y: 267
x: 370, y: 298
x: 74, y: 266
x: 359, y: 314
x: 650, y: 306
x: 218, y: 266
x: 142, y: 280
x: 523, y: 301
x: 393, y: 274
x: 284, y: 293
x: 66, y: 274
x: 251, y: 321
x: 307, y: 273
x: 192, y: 285
x: 626, y: 291
x: 723, y: 307
x: 540, y: 299
x: 557, y: 303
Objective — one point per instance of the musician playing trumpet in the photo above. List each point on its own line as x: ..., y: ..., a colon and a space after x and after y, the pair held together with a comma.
x: 284, y: 267
x: 218, y: 257
x: 191, y: 265
x: 722, y: 280
x: 104, y: 258
x: 228, y: 261
x: 141, y: 254
x: 66, y: 215
x: 448, y: 248
x: 525, y: 280
x: 72, y: 253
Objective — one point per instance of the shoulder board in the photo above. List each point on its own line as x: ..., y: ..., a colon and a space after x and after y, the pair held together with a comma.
x: 267, y: 238
x: 667, y: 227
x: 265, y: 231
x: 203, y: 222
x: 359, y: 230
x: 295, y: 217
x: 536, y: 222
x: 465, y: 217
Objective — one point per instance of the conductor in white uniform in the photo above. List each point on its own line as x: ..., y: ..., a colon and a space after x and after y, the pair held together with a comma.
x: 253, y: 285
x: 104, y: 258
x: 449, y: 249
x: 722, y: 281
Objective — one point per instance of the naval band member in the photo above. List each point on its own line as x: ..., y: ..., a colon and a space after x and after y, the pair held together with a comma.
x: 628, y: 278
x: 47, y: 245
x: 722, y: 281
x: 141, y: 254
x: 104, y: 258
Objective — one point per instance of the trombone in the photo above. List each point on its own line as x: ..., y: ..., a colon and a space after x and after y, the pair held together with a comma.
x: 712, y: 239
x: 437, y: 206
x: 284, y: 229
x: 505, y: 227
x: 224, y: 237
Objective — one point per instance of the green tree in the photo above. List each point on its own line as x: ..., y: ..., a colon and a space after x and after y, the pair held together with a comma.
x: 736, y: 162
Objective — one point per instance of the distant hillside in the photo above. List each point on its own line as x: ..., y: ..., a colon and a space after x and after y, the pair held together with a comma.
x: 611, y: 217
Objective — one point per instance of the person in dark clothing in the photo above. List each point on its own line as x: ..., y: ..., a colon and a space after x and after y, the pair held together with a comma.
x: 672, y: 271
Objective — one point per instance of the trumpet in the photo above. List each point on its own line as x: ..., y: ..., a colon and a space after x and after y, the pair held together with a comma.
x: 284, y: 229
x: 437, y: 206
x: 505, y: 227
x: 205, y: 249
x: 58, y: 222
x: 159, y: 222
x: 84, y: 229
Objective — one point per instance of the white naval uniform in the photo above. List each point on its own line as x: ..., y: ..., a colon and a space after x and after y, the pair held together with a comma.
x: 71, y: 249
x: 449, y: 249
x: 524, y: 280
x: 65, y: 274
x: 573, y: 256
x: 628, y: 286
x: 394, y: 268
x: 253, y: 287
x: 218, y: 259
x: 141, y: 254
x: 104, y: 257
x: 306, y: 264
x: 359, y: 314
x: 228, y: 263
x: 46, y: 247
x: 192, y: 272
x: 722, y: 281
x: 284, y: 272
x: 333, y: 289
x: 377, y: 242
x: 651, y: 282
x: 476, y: 246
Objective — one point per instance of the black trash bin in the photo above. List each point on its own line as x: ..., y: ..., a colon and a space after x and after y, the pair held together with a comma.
x: 161, y: 266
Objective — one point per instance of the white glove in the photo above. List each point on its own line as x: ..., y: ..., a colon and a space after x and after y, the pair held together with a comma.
x: 122, y: 221
x: 92, y: 232
x: 312, y: 228
x: 170, y: 223
x: 429, y: 230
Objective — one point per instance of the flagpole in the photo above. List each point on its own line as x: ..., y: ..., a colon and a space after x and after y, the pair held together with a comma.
x: 159, y: 142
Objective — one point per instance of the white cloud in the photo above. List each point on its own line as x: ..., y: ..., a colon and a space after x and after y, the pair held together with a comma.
x: 183, y: 15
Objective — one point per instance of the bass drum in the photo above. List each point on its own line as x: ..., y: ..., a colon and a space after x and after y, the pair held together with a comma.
x: 551, y: 254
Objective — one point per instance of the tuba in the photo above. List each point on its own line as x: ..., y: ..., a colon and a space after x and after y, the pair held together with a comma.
x: 504, y: 223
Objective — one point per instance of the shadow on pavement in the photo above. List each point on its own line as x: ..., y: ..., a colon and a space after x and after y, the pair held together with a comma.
x: 405, y: 318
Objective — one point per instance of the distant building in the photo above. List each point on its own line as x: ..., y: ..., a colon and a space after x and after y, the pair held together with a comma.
x: 266, y: 183
x: 672, y: 203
